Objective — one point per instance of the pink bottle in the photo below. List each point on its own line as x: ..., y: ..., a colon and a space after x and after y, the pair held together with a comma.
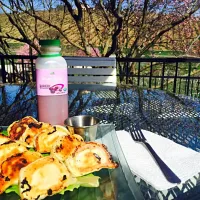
x: 52, y: 83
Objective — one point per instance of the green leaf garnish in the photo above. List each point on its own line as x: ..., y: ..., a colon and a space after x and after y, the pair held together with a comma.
x: 31, y: 149
x: 45, y: 154
x: 4, y: 132
x: 13, y: 188
x: 84, y: 181
x: 89, y: 180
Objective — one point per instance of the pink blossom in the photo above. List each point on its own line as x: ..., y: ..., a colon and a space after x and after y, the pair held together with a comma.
x: 94, y: 52
x: 25, y: 51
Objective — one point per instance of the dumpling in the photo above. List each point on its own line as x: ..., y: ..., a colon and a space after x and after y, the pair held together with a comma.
x: 65, y: 145
x: 32, y: 130
x: 89, y: 157
x: 17, y: 128
x: 44, y: 177
x: 4, y: 139
x: 9, y: 149
x: 10, y: 168
x: 46, y: 139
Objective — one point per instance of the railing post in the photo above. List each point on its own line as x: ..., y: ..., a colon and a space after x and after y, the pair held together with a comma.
x: 150, y: 76
x: 189, y: 74
x: 3, y: 70
x: 23, y: 73
x: 198, y: 83
x: 179, y: 89
x: 162, y: 78
x: 127, y: 71
x: 33, y: 71
x: 14, y: 71
x: 191, y: 92
x: 138, y: 74
x: 121, y: 73
x: 175, y: 78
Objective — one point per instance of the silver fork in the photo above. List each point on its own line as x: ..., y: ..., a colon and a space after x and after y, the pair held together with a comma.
x: 138, y: 136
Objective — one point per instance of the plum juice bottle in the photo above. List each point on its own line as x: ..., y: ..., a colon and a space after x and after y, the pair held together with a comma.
x: 52, y: 83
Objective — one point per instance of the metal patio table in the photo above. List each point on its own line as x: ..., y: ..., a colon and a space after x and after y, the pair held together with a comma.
x: 166, y: 114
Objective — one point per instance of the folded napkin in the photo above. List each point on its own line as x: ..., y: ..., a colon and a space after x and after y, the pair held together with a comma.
x: 184, y: 162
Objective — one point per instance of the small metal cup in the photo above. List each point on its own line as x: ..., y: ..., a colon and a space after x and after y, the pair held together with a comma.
x: 83, y: 125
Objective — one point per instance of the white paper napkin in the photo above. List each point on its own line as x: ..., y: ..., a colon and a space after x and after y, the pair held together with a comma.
x: 184, y: 162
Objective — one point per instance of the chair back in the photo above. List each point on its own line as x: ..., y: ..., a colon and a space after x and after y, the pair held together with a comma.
x: 91, y: 72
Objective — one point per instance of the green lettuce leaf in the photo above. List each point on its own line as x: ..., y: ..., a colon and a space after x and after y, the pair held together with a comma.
x: 45, y: 154
x: 89, y: 180
x: 31, y: 149
x: 4, y: 132
x: 13, y: 188
x: 83, y: 181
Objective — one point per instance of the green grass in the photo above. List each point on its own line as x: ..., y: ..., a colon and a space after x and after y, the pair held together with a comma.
x: 163, y: 53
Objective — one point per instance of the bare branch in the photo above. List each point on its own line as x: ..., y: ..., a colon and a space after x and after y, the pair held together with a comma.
x: 118, y: 16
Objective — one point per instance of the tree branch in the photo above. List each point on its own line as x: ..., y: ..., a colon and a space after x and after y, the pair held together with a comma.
x: 119, y: 22
x: 166, y: 29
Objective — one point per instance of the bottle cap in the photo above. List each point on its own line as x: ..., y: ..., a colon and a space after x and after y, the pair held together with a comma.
x: 49, y: 42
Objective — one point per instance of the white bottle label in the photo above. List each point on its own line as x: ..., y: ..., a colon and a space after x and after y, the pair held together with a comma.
x: 51, y: 82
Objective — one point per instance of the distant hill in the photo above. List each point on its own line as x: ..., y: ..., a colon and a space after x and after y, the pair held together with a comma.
x: 71, y: 31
